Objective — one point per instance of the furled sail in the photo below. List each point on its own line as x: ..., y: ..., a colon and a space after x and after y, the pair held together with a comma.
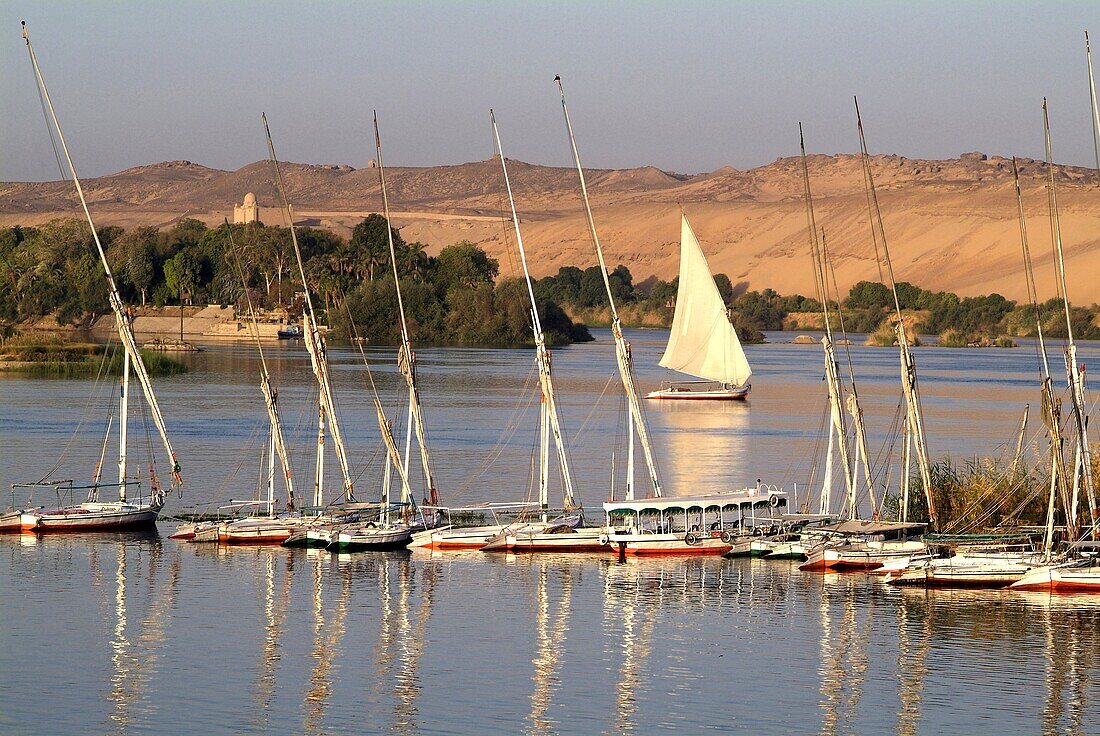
x: 703, y: 342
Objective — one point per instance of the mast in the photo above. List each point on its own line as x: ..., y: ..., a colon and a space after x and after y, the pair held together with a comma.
x: 122, y: 322
x: 622, y: 347
x: 914, y: 415
x: 855, y: 410
x: 832, y: 380
x: 1095, y: 109
x: 123, y: 415
x: 271, y: 395
x: 1074, y: 376
x: 1051, y: 407
x: 542, y: 353
x: 315, y: 346
x: 406, y: 359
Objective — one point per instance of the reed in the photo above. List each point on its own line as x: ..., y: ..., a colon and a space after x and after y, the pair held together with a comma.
x: 49, y: 355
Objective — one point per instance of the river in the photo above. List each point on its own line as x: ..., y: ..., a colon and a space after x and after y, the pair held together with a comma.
x: 141, y: 634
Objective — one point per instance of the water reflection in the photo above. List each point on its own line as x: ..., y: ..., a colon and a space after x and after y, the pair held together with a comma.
x: 914, y: 640
x: 274, y: 604
x: 843, y: 653
x: 712, y: 436
x: 134, y: 656
x: 550, y: 633
x: 328, y: 636
x: 412, y: 636
x: 310, y: 642
x: 629, y: 601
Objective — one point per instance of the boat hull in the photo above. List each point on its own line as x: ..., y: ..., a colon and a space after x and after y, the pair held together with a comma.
x: 257, y: 532
x: 585, y: 539
x: 455, y: 538
x: 361, y: 540
x: 15, y: 522
x: 866, y: 557
x: 1060, y: 580
x: 738, y: 393
x: 94, y: 517
x: 666, y: 545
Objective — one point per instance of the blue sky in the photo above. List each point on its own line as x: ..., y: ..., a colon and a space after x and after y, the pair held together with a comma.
x: 687, y: 87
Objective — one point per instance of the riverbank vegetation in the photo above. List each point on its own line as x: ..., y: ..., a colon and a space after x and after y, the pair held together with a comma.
x: 54, y: 356
x: 984, y: 493
x: 457, y: 296
x: 454, y: 297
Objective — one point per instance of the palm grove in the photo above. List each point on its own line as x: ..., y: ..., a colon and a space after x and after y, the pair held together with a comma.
x: 454, y: 297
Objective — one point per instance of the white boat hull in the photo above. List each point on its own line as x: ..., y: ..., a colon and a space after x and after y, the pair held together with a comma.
x: 367, y: 538
x: 658, y: 545
x: 94, y: 517
x: 260, y: 530
x: 736, y: 393
x: 455, y: 538
x: 583, y: 539
x: 1061, y: 579
x: 866, y: 556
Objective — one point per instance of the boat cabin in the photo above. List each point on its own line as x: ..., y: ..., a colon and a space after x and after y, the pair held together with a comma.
x: 710, y: 514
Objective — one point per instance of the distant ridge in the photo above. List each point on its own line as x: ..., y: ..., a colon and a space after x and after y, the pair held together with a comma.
x: 951, y: 223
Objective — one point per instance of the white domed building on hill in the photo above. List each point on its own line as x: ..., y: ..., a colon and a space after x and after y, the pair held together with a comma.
x: 247, y: 212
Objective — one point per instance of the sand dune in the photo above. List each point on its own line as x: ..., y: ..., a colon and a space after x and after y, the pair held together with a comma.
x: 951, y: 224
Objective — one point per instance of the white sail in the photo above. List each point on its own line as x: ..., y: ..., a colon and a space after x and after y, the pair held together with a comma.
x: 703, y: 342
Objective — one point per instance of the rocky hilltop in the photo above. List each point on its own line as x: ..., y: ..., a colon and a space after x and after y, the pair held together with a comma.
x: 951, y: 224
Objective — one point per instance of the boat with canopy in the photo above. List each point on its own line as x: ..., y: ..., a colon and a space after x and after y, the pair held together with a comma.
x: 702, y: 341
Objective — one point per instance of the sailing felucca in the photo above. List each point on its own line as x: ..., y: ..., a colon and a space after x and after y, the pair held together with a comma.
x: 685, y: 525
x: 702, y: 342
x: 565, y: 533
x: 267, y: 527
x: 129, y: 511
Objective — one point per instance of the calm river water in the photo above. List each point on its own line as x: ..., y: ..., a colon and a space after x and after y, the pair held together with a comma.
x: 141, y: 634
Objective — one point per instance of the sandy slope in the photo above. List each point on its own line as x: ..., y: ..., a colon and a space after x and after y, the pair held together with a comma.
x: 951, y: 224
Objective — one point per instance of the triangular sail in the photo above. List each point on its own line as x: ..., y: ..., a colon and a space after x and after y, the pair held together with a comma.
x: 703, y: 342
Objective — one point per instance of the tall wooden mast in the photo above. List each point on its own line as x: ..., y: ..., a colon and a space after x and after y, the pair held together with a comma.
x: 622, y: 347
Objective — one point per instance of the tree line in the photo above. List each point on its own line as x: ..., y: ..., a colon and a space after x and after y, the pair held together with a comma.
x: 456, y: 296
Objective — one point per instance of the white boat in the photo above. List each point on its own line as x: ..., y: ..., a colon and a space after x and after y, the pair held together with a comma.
x: 131, y: 510
x: 1081, y: 575
x: 456, y: 532
x: 369, y: 536
x: 542, y: 531
x: 689, y: 525
x: 562, y: 534
x: 259, y: 530
x: 100, y: 516
x: 966, y: 562
x: 683, y: 525
x: 702, y: 341
x: 865, y: 545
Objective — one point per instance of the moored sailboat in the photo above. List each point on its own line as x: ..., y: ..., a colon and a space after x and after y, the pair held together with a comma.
x: 567, y: 532
x: 129, y: 511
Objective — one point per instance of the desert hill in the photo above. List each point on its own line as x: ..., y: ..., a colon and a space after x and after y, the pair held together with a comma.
x: 951, y: 224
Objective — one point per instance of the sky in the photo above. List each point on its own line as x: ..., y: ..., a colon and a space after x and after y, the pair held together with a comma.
x: 684, y: 86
